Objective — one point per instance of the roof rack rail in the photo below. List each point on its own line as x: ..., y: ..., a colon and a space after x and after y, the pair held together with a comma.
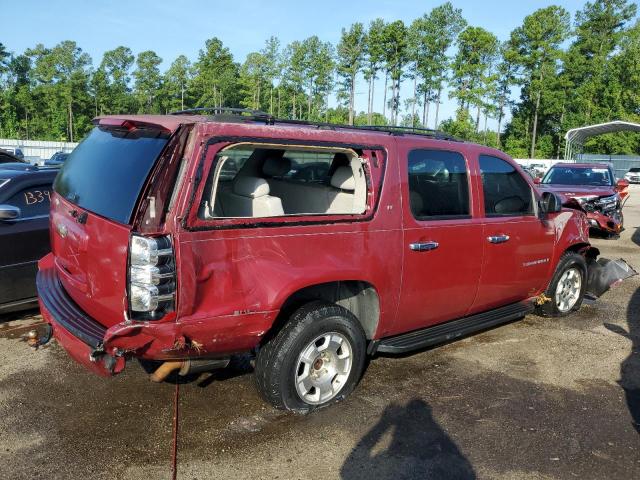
x: 390, y: 129
x: 228, y: 112
x: 394, y: 129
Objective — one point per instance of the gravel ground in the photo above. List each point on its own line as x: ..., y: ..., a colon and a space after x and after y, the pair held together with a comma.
x: 535, y: 399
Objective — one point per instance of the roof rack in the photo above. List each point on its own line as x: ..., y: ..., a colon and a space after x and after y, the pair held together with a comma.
x: 399, y: 130
x: 390, y: 129
x: 231, y: 114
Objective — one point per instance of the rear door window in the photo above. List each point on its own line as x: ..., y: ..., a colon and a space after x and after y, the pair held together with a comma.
x: 506, y: 192
x: 438, y: 185
x: 106, y: 172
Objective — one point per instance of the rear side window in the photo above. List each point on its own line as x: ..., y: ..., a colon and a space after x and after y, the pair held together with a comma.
x: 506, y: 193
x: 32, y: 201
x: 438, y: 184
x: 260, y: 182
x: 107, y: 171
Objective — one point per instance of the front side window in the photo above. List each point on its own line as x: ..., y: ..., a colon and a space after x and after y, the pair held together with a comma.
x: 438, y: 184
x: 258, y: 181
x: 506, y: 192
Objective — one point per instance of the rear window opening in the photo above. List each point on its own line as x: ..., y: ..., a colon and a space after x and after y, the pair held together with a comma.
x: 258, y: 181
x: 107, y: 171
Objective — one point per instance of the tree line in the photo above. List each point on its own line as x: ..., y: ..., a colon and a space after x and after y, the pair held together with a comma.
x: 552, y: 73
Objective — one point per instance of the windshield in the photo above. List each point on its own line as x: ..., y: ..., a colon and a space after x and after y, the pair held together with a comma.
x: 107, y: 171
x: 600, y: 177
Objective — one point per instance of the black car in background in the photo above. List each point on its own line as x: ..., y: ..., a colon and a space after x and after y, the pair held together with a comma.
x: 57, y: 159
x: 25, y: 193
x: 8, y: 157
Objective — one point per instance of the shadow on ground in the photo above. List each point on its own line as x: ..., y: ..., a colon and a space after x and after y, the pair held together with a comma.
x: 407, y: 442
x: 19, y: 315
x: 630, y: 367
x: 635, y: 238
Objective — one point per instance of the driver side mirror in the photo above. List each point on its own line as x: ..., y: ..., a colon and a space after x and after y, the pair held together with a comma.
x: 9, y: 212
x: 550, y: 203
x: 537, y: 180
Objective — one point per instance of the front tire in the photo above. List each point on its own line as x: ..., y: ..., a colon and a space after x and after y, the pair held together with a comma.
x: 315, y: 360
x: 567, y: 288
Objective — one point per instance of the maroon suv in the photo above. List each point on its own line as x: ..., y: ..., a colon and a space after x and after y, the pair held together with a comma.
x: 187, y: 238
x: 592, y: 187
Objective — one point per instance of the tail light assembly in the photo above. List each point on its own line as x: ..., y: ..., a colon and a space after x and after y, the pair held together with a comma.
x: 152, y: 278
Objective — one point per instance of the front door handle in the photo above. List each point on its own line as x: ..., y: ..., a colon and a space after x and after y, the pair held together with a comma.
x: 423, y: 246
x: 498, y: 238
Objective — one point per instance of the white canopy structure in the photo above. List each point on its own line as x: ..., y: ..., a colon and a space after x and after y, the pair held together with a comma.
x: 576, y: 137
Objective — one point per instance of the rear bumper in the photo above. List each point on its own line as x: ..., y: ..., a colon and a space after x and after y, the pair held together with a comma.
x: 80, y: 335
x: 105, y: 350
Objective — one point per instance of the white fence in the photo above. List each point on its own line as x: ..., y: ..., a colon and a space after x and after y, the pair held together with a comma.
x: 537, y: 161
x: 37, y: 151
x: 621, y: 163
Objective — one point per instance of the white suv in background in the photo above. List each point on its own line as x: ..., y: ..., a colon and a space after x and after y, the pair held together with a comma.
x: 633, y: 175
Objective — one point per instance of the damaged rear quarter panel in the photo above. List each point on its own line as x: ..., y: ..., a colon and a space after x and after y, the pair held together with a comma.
x: 233, y: 282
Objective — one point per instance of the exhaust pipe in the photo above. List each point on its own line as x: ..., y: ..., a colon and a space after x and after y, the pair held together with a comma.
x: 187, y: 367
x: 164, y: 370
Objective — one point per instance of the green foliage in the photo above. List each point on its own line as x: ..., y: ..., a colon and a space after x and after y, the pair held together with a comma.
x: 396, y: 47
x: 176, y: 82
x: 477, y: 52
x: 350, y: 53
x: 111, y: 82
x: 374, y: 58
x: 432, y: 36
x: 563, y: 79
x: 148, y: 82
x: 462, y: 126
x: 215, y: 78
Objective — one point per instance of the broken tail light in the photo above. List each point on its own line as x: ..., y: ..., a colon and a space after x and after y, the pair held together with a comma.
x: 151, y: 277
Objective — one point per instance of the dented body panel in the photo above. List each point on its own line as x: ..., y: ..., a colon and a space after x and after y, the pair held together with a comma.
x: 234, y: 276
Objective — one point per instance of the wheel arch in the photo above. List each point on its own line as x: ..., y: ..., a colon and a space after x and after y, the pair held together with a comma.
x: 584, y: 249
x: 359, y: 297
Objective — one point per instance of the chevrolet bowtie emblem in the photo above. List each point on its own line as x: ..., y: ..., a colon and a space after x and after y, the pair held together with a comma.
x: 61, y: 229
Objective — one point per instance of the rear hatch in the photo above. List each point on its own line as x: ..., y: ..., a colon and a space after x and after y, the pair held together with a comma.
x: 96, y: 194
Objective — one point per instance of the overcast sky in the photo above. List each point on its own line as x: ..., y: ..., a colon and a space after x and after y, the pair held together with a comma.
x: 172, y: 28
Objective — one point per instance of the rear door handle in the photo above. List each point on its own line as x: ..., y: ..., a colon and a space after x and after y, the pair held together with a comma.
x: 498, y: 238
x: 423, y: 246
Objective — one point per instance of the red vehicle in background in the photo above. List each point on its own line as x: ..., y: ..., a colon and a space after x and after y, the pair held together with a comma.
x: 185, y: 239
x: 592, y: 187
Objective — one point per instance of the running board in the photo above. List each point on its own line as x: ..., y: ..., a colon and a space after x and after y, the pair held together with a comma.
x: 451, y: 330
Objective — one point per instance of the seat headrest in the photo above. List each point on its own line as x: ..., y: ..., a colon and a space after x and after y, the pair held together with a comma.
x: 343, y: 179
x: 251, y: 187
x: 276, y: 167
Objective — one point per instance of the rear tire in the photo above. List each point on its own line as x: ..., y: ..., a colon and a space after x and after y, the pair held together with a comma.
x: 315, y: 360
x: 567, y: 288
